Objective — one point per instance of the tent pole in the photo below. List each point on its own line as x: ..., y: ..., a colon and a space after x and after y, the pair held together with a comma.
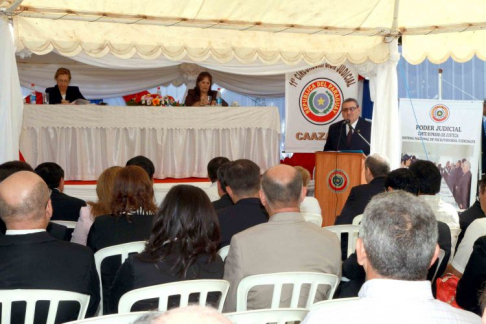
x: 440, y: 84
x: 394, y: 29
x: 13, y: 6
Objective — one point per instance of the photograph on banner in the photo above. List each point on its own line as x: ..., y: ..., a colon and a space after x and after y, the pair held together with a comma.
x: 441, y: 131
x: 313, y: 99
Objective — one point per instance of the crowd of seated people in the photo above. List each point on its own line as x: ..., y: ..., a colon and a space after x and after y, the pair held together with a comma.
x: 258, y: 214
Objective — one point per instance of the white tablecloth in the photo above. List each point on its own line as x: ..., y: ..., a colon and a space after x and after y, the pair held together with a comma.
x: 85, y: 140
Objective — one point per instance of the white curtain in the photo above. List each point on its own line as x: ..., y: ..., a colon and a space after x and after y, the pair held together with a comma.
x: 10, y: 96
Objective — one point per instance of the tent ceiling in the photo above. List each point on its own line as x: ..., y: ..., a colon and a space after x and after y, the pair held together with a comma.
x: 246, y: 30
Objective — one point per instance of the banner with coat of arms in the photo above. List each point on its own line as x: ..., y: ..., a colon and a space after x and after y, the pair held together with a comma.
x: 448, y: 133
x: 313, y: 99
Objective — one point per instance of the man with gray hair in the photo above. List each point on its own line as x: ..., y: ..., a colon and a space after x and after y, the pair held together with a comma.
x: 286, y: 243
x: 397, y: 245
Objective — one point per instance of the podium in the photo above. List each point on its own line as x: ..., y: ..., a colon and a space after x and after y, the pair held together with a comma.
x: 335, y: 174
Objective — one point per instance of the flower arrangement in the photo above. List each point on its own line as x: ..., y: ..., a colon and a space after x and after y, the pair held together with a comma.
x: 153, y: 100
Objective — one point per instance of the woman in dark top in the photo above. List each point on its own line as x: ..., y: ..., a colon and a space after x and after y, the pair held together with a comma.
x: 182, y: 246
x: 131, y: 219
x: 473, y: 280
x: 199, y: 95
x: 62, y: 93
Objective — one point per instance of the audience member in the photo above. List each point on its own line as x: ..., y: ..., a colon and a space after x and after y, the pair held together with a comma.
x: 474, y: 212
x: 402, y: 179
x: 191, y: 314
x: 131, y: 219
x: 286, y: 243
x: 225, y: 199
x: 397, y: 245
x: 242, y: 179
x: 60, y: 232
x: 65, y: 207
x: 182, y: 246
x: 144, y: 163
x: 213, y: 166
x: 429, y: 187
x: 32, y: 259
x: 309, y: 204
x: 473, y: 281
x: 104, y: 191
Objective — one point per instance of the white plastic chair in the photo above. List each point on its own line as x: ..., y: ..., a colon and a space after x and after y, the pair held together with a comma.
x: 123, y: 250
x: 351, y: 230
x: 223, y: 252
x: 31, y: 296
x: 278, y: 280
x: 330, y: 303
x: 264, y: 316
x: 128, y: 318
x: 357, y: 219
x: 182, y: 288
x: 440, y: 258
x: 68, y: 224
x: 313, y: 218
x: 455, y: 231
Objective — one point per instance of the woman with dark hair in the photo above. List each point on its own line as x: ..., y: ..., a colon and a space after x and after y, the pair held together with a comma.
x: 131, y: 219
x: 182, y: 246
x: 63, y: 93
x: 202, y: 95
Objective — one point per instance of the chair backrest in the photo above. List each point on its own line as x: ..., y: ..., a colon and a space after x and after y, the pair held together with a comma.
x: 68, y: 224
x: 440, y: 260
x: 123, y: 250
x: 357, y: 219
x: 297, y: 279
x: 313, y: 218
x: 330, y: 303
x: 223, y: 252
x: 455, y: 231
x: 31, y: 296
x: 351, y: 230
x: 180, y: 288
x: 128, y: 318
x: 264, y: 316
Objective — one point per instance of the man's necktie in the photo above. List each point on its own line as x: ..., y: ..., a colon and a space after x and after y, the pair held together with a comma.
x: 348, y: 138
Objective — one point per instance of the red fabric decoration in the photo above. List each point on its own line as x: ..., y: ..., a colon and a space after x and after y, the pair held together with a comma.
x: 38, y: 98
x: 305, y: 160
x: 137, y: 96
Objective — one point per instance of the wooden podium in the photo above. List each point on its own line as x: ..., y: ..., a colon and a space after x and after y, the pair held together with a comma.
x: 336, y: 173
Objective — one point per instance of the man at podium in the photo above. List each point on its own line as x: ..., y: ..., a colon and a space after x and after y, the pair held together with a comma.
x: 345, y: 134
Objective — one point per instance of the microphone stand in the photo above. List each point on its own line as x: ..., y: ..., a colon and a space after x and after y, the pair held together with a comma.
x: 354, y: 131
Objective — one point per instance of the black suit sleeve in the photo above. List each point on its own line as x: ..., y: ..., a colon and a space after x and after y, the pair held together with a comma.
x: 77, y: 94
x: 122, y: 284
x: 92, y: 238
x: 348, y: 212
x: 93, y: 288
x: 473, y: 279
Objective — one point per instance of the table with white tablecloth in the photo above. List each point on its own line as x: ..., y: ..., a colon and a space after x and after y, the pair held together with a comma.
x: 85, y: 140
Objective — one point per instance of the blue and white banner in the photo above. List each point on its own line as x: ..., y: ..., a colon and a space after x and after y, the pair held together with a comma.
x: 447, y: 133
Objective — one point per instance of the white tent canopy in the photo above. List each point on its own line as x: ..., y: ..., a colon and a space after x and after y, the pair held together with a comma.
x: 256, y: 38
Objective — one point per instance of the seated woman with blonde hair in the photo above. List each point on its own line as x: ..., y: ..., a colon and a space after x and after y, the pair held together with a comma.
x: 309, y: 204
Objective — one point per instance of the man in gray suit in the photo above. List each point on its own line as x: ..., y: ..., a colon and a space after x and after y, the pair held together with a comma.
x: 286, y: 243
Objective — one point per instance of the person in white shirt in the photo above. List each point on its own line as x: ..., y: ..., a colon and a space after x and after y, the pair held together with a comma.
x: 397, y: 245
x: 309, y: 204
x: 213, y: 167
x: 429, y: 187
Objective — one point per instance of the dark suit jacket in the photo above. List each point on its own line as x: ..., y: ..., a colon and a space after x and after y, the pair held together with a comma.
x: 39, y: 261
x: 192, y: 97
x: 55, y: 97
x: 467, y: 217
x: 237, y: 218
x: 472, y: 281
x: 464, y: 190
x: 55, y: 230
x: 134, y: 274
x: 108, y: 231
x: 335, y: 143
x: 65, y: 207
x: 223, y: 202
x: 483, y: 148
x: 356, y: 274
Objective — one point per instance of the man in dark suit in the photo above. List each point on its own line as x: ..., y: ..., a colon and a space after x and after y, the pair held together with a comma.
x: 31, y: 258
x: 65, y: 207
x: 376, y: 169
x: 60, y: 232
x: 243, y: 185
x: 464, y: 186
x: 225, y: 199
x: 341, y: 137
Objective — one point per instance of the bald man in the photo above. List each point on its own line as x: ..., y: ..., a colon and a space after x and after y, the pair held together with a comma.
x: 286, y: 243
x: 31, y: 258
